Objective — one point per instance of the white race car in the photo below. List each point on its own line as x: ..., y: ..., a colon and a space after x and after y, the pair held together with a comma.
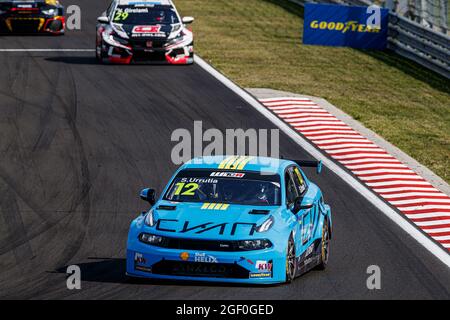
x: 144, y: 31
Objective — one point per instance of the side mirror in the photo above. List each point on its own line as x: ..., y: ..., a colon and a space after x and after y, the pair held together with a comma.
x: 298, y: 206
x: 148, y: 195
x: 188, y: 20
x: 103, y: 19
x: 319, y: 167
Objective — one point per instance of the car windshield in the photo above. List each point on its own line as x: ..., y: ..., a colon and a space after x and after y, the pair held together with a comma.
x: 231, y: 187
x: 145, y: 15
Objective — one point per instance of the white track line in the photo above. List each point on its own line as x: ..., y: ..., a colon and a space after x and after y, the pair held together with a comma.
x: 438, y: 251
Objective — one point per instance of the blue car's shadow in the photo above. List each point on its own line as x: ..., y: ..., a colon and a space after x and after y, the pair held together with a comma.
x: 112, y: 270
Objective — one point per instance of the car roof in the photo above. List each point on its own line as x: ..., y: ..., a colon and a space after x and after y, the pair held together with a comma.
x: 138, y: 2
x: 243, y: 163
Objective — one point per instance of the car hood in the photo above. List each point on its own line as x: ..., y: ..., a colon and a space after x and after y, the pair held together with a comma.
x: 146, y: 31
x: 203, y: 220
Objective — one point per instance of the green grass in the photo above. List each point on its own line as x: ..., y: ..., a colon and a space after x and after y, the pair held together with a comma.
x: 448, y: 13
x: 257, y: 43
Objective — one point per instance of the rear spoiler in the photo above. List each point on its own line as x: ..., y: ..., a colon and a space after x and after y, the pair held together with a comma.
x: 310, y: 164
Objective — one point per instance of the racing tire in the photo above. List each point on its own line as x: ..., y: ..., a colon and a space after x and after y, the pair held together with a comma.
x: 324, y: 247
x: 291, y: 261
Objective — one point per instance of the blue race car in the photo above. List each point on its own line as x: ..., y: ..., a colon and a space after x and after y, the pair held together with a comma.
x: 232, y: 219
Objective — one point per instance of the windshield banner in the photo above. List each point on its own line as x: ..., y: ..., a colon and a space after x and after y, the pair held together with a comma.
x: 349, y: 26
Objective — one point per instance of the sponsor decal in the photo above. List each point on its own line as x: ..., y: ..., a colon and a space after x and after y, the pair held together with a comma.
x: 264, y: 269
x: 136, y: 10
x: 203, y: 257
x: 310, y: 250
x: 168, y: 225
x: 202, y: 269
x: 235, y: 162
x: 348, y: 26
x: 199, y: 180
x: 146, y: 29
x: 139, y: 258
x: 264, y: 266
x: 215, y: 206
x: 184, y: 256
x: 302, y: 186
x: 228, y: 174
x: 351, y: 26
x: 143, y: 268
x: 260, y: 275
x: 139, y: 263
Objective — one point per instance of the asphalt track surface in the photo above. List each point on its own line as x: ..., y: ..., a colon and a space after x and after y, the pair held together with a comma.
x: 79, y: 140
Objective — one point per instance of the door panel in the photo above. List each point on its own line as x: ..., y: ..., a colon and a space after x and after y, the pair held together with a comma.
x: 307, y: 226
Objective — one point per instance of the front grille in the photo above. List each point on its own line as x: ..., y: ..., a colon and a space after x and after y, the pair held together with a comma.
x: 25, y: 25
x: 142, y: 44
x: 139, y: 56
x: 199, y: 269
x: 202, y: 245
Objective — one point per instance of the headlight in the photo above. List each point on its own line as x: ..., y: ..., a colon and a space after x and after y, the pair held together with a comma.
x: 266, y: 225
x: 151, y: 239
x: 120, y: 40
x: 254, y: 244
x: 111, y: 37
x: 178, y: 39
x: 174, y: 41
x: 49, y: 12
x: 150, y: 219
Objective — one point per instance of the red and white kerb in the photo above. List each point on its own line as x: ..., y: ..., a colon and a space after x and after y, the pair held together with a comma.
x: 424, y: 205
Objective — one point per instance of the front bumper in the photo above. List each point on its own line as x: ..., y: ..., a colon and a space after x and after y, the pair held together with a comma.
x: 125, y: 54
x: 252, y: 267
x: 33, y: 23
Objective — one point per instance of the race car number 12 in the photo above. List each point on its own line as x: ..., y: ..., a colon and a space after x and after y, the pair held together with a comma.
x: 189, y: 188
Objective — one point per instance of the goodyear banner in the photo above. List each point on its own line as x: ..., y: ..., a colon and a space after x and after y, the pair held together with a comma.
x: 336, y: 25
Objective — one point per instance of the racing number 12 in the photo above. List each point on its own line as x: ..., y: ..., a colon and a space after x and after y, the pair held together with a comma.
x: 190, y: 189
